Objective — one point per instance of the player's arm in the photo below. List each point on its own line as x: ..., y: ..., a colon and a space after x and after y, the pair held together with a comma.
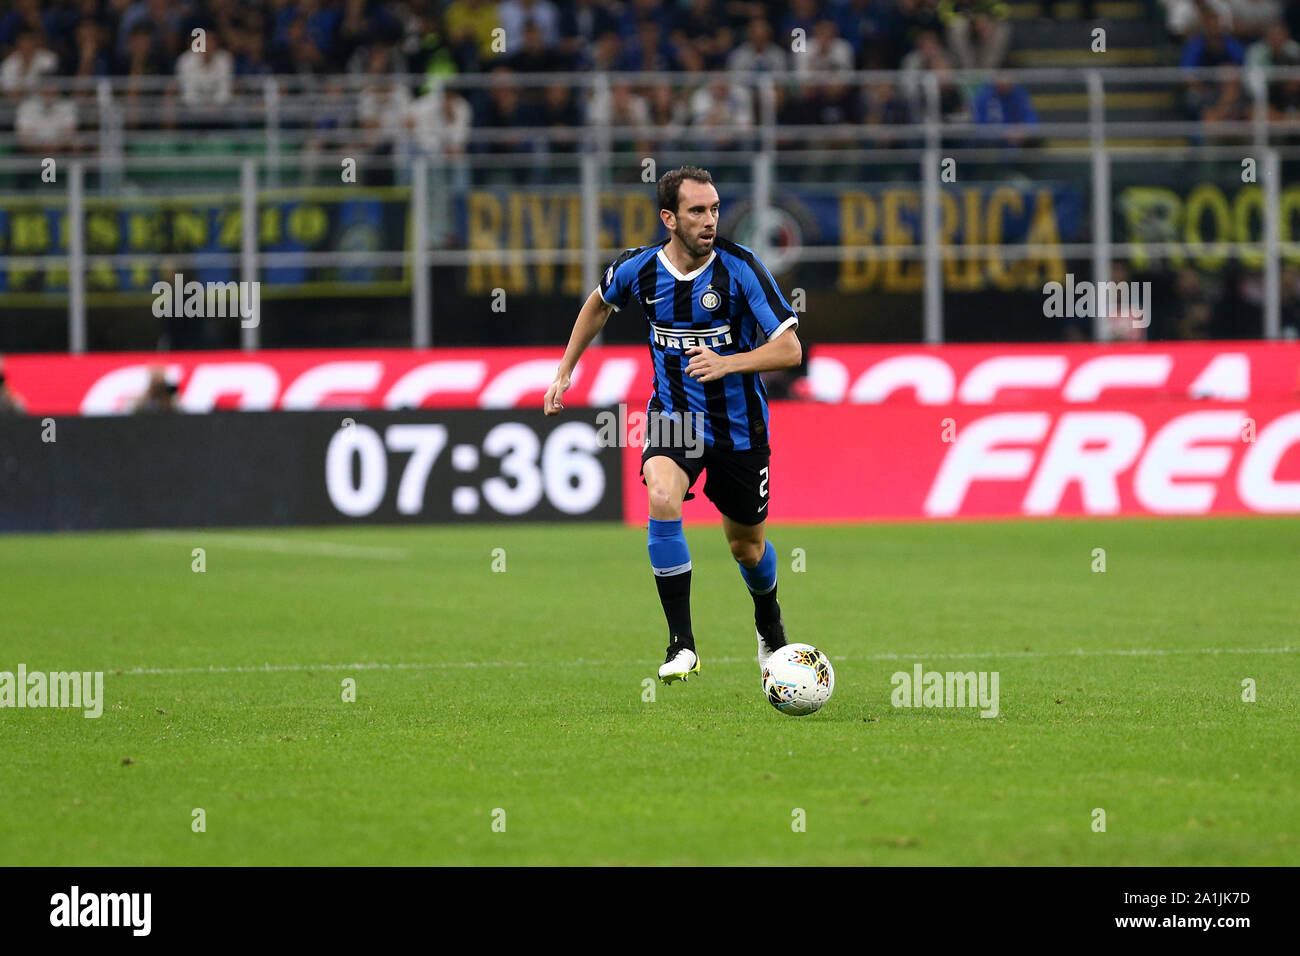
x: 591, y: 319
x: 784, y: 351
x: 760, y: 295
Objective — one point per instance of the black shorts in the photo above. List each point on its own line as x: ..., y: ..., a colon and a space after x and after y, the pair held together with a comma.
x: 737, y: 481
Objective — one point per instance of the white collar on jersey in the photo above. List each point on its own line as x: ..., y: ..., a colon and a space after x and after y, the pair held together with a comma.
x: 672, y: 270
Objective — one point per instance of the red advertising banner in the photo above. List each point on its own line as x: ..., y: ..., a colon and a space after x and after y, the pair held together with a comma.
x: 908, y: 375
x: 899, y: 432
x: 858, y: 463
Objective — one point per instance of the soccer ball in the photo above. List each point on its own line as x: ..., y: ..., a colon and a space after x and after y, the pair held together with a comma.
x: 798, y: 679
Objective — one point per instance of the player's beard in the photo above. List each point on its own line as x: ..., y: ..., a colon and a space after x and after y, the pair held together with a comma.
x: 696, y: 248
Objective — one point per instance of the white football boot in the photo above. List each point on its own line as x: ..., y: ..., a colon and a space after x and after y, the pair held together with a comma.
x: 681, y: 664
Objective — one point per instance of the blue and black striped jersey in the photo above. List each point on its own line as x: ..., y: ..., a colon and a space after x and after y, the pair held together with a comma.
x: 730, y: 304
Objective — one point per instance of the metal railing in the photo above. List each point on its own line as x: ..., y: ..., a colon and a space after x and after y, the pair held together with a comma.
x: 278, y: 118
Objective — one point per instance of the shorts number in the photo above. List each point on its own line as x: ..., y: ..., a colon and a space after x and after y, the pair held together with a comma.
x: 762, y: 485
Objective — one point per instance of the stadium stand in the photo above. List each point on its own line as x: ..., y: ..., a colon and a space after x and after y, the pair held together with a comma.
x: 165, y: 98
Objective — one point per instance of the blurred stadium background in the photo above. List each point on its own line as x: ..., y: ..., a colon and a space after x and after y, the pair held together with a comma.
x: 425, y: 192
x: 403, y: 178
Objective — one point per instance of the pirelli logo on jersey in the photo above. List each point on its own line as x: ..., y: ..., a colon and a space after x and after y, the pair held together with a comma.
x: 689, y: 338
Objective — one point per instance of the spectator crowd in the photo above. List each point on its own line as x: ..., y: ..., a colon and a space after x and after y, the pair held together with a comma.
x: 375, y: 69
x: 1235, y: 33
x: 195, y: 56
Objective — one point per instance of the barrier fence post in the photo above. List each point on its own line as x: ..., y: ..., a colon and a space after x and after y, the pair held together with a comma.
x: 761, y: 171
x: 76, y: 258
x: 932, y: 292
x: 249, y: 336
x: 1258, y: 88
x: 271, y: 104
x: 421, y: 297
x: 1100, y: 162
x: 1272, y: 233
x: 763, y: 166
x: 590, y: 227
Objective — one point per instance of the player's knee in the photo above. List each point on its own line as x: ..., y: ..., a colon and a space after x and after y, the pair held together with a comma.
x: 746, y: 551
x: 664, y: 505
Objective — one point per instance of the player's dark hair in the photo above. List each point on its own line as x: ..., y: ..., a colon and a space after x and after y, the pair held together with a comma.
x: 671, y: 183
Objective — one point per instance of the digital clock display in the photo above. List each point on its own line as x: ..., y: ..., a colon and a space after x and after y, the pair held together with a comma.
x: 468, y: 464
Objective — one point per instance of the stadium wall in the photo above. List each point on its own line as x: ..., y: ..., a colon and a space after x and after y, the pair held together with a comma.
x: 872, y: 463
x: 314, y: 468
x: 307, y: 379
x: 886, y: 432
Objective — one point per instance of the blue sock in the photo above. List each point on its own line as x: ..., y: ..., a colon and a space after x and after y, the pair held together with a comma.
x: 761, y: 581
x: 668, y: 552
x: 671, y: 561
x: 762, y: 576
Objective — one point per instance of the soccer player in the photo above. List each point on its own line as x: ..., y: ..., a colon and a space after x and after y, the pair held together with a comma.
x: 716, y: 320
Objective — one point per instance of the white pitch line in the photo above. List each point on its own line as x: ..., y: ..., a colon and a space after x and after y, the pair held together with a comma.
x: 440, y: 665
x: 274, y: 668
x: 1079, y: 652
x: 325, y: 549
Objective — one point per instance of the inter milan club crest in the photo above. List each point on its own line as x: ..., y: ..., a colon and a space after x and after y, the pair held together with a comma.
x: 710, y: 300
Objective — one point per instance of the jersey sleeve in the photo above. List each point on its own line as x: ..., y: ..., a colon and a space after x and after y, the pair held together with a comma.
x: 769, y: 307
x: 616, y: 283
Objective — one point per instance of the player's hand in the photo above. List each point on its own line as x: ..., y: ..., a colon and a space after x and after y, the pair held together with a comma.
x: 705, y: 365
x: 552, y: 404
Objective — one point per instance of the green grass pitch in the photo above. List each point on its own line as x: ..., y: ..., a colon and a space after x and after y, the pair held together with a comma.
x: 522, y: 691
